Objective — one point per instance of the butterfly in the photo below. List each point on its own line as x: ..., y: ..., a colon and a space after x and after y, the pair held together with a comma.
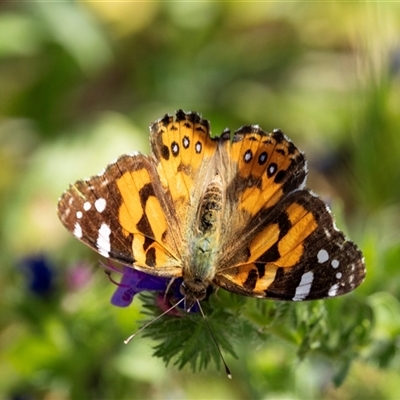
x: 229, y: 211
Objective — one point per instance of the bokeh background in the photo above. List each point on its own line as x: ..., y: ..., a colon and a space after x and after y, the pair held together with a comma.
x: 79, y: 84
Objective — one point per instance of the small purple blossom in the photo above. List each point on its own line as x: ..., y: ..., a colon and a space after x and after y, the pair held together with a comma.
x: 134, y: 281
x: 78, y: 276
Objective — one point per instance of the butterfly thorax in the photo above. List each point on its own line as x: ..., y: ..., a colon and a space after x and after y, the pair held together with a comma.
x: 203, y: 249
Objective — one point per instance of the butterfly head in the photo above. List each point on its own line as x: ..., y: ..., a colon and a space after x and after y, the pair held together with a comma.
x: 194, y: 290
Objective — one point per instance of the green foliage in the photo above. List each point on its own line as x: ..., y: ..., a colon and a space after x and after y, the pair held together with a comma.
x: 187, y: 340
x: 338, y: 334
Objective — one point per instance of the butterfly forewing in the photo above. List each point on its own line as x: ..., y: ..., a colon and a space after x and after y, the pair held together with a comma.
x: 124, y: 215
x: 83, y: 211
x: 184, y: 150
x: 266, y: 166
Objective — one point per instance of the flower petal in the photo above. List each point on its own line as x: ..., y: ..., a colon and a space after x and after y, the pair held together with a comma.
x: 133, y: 282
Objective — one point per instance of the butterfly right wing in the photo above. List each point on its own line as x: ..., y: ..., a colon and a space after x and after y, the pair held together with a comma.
x: 126, y: 215
x: 288, y: 247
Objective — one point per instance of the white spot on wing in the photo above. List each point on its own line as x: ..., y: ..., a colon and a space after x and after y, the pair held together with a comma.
x: 333, y: 290
x: 87, y: 206
x: 100, y: 204
x: 338, y: 275
x: 335, y: 264
x: 103, y: 240
x: 327, y: 233
x: 322, y: 256
x: 79, y: 214
x: 303, y: 290
x: 78, y: 230
x: 271, y: 169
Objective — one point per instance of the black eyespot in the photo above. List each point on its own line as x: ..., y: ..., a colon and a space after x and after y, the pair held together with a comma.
x: 248, y: 156
x: 198, y: 147
x: 271, y: 169
x: 262, y: 158
x: 175, y: 148
x: 186, y: 142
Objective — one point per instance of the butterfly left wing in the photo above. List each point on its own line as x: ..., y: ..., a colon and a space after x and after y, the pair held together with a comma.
x: 124, y: 214
x: 184, y: 154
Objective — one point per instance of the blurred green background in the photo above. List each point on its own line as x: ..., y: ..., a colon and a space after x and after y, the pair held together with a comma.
x: 79, y: 84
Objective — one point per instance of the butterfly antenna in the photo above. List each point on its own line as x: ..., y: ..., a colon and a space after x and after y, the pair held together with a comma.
x: 227, y: 370
x: 126, y: 341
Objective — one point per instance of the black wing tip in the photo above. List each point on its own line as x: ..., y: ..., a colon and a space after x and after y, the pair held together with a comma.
x: 191, y: 120
x: 180, y: 115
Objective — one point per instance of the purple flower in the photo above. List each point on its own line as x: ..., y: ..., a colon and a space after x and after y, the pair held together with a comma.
x: 40, y: 274
x: 78, y: 276
x: 134, y: 281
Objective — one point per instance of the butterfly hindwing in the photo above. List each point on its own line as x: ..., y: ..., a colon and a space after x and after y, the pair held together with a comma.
x: 297, y: 254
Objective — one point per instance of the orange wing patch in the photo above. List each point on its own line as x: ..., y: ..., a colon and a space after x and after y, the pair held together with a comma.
x: 281, y: 241
x: 265, y: 163
x: 249, y: 279
x: 277, y: 244
x: 143, y: 213
x: 291, y: 245
x: 139, y: 203
x: 182, y: 148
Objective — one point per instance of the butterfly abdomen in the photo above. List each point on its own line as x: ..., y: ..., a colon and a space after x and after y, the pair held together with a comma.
x: 209, y: 216
x: 206, y: 232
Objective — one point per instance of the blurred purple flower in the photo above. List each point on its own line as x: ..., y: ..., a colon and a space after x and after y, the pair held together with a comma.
x: 40, y: 274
